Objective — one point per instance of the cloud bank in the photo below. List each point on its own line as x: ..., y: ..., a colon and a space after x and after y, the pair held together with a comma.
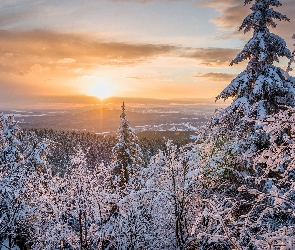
x: 21, y: 50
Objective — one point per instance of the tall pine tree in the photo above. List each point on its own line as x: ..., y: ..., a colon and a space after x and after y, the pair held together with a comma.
x: 127, y: 157
x: 259, y: 91
x: 248, y: 152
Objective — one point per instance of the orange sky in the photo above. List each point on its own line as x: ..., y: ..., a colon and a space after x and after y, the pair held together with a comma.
x: 136, y: 48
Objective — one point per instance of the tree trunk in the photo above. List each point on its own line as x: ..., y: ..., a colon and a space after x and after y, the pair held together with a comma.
x: 85, y: 230
x: 80, y: 230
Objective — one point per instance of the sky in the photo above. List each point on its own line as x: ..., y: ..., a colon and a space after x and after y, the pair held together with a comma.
x: 130, y: 48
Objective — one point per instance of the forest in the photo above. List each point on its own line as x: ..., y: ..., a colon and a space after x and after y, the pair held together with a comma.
x: 233, y: 188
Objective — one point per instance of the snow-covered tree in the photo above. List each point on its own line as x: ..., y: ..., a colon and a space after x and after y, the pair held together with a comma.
x: 262, y: 216
x: 129, y: 226
x: 236, y: 132
x: 10, y: 144
x: 246, y: 149
x: 127, y: 159
x: 272, y: 188
x: 75, y: 210
x: 172, y: 197
x: 126, y: 221
x: 260, y: 90
x: 21, y: 181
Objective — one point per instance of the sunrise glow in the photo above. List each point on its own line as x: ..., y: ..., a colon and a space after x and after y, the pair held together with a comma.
x: 101, y: 90
x: 123, y: 48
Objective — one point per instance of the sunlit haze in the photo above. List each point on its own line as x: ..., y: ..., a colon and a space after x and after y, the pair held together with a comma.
x: 125, y: 48
x: 100, y: 89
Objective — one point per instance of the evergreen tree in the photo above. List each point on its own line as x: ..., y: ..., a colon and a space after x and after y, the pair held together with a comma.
x: 247, y: 149
x: 127, y: 157
x: 259, y: 91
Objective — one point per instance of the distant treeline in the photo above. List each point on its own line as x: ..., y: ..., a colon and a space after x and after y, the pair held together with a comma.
x: 98, y: 148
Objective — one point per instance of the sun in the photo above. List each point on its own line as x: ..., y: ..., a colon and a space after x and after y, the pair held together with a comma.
x: 101, y: 90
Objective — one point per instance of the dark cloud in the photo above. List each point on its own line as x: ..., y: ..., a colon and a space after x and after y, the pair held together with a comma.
x: 218, y: 77
x: 214, y: 57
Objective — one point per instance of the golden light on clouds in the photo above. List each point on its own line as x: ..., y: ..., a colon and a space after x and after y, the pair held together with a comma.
x: 122, y: 48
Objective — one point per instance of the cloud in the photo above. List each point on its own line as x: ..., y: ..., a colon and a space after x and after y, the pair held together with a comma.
x: 37, y: 68
x: 51, y: 63
x: 148, y: 1
x: 213, y: 57
x: 134, y: 77
x: 67, y: 60
x: 196, y: 2
x: 217, y: 77
x: 233, y: 12
x: 20, y: 50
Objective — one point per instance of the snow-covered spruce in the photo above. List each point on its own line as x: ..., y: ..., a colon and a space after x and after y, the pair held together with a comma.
x: 127, y: 159
x: 261, y: 89
x: 262, y: 216
x: 248, y: 147
x: 126, y: 224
